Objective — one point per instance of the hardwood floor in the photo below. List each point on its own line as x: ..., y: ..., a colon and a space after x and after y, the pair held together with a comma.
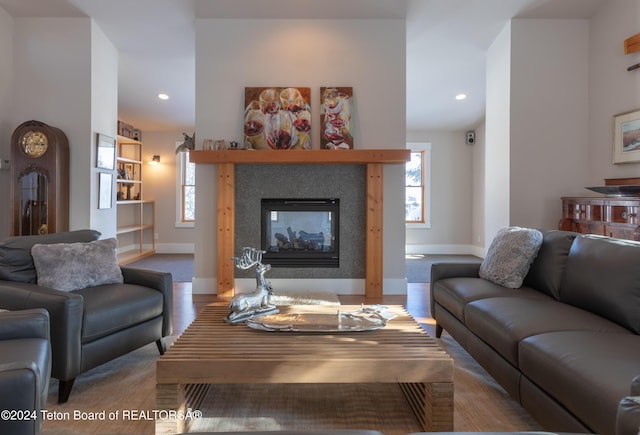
x: 187, y: 305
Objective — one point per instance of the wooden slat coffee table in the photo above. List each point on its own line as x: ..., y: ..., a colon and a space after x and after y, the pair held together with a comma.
x: 210, y: 351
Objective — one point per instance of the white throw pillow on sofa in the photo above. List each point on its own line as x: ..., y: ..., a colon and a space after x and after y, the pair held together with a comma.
x: 510, y: 255
x: 74, y: 266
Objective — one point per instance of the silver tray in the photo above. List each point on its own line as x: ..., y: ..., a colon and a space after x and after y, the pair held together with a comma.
x: 368, y: 320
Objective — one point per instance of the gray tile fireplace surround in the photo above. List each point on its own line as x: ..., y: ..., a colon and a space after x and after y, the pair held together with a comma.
x: 346, y: 182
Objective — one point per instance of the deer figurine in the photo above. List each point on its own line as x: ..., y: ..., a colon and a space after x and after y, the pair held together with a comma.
x: 246, y: 305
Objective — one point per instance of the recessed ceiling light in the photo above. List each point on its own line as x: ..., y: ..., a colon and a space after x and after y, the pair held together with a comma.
x: 163, y: 96
x: 460, y: 97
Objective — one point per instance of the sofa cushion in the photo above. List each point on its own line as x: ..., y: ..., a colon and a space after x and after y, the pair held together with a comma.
x: 510, y: 255
x: 603, y: 277
x: 455, y: 293
x: 547, y: 270
x: 575, y: 368
x: 114, y: 307
x: 72, y: 266
x: 503, y: 322
x: 16, y: 263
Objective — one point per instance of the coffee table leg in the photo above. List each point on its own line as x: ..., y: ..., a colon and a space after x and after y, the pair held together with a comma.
x: 432, y: 404
x: 169, y: 397
x: 439, y: 407
x: 178, y: 406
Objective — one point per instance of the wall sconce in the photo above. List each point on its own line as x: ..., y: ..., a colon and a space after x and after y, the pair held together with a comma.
x: 154, y: 160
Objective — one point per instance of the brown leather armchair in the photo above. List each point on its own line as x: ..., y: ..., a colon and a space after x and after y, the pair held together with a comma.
x: 25, y: 370
x: 93, y: 325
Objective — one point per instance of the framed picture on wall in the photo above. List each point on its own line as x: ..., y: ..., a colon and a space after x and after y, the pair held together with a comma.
x: 277, y: 118
x: 626, y: 137
x: 106, y: 155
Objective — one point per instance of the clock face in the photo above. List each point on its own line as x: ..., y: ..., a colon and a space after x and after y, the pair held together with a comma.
x: 34, y: 144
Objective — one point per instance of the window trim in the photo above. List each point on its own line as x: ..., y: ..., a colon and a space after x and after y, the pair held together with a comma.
x: 180, y: 162
x: 425, y: 148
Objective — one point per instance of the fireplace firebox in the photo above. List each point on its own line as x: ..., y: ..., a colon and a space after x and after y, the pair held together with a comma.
x: 300, y: 232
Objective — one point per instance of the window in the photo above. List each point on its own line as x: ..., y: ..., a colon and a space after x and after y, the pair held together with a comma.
x: 417, y: 189
x: 186, y: 190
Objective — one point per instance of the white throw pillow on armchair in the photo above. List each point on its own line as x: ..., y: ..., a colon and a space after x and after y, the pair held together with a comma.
x: 510, y: 255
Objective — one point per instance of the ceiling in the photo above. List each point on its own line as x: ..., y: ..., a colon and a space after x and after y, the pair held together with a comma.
x: 446, y: 45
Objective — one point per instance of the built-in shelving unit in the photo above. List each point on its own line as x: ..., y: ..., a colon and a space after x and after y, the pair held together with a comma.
x: 136, y: 215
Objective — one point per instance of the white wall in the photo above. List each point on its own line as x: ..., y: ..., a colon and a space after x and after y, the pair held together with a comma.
x: 52, y: 84
x: 612, y: 89
x: 6, y: 123
x: 451, y: 198
x: 104, y: 120
x: 368, y: 55
x: 160, y: 185
x: 497, y: 135
x: 549, y: 115
x: 478, y: 192
x: 65, y: 74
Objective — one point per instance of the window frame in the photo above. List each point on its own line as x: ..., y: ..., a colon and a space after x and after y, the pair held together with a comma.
x: 425, y: 149
x: 181, y: 162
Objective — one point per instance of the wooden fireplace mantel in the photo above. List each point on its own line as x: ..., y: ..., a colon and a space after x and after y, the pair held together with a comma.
x: 374, y: 159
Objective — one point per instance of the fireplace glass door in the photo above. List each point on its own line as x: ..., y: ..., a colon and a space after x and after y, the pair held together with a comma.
x: 300, y: 232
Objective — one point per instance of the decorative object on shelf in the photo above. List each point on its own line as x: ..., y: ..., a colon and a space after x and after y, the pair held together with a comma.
x: 106, y: 155
x: 257, y: 303
x: 188, y: 144
x: 626, y: 130
x: 39, y: 179
x: 335, y: 118
x: 208, y: 145
x: 105, y: 186
x: 125, y: 129
x: 277, y: 118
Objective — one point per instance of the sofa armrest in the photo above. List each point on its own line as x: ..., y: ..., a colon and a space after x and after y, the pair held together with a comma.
x: 451, y: 270
x: 628, y: 418
x: 32, y: 323
x: 65, y: 326
x: 635, y: 386
x: 160, y: 281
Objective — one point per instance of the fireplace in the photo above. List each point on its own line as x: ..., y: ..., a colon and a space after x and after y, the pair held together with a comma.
x: 300, y: 232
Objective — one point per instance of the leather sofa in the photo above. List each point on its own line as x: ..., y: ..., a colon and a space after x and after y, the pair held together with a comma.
x: 93, y: 325
x: 565, y: 345
x: 25, y: 369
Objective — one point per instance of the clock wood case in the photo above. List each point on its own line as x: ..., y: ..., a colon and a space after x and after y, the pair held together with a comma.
x: 39, y: 179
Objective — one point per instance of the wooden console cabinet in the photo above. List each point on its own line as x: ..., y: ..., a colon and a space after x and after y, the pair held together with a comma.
x: 607, y: 216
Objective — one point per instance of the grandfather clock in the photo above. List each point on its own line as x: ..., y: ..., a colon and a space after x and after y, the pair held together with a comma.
x: 39, y: 179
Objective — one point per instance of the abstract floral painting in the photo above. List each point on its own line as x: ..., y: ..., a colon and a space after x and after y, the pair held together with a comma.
x: 336, y: 110
x: 277, y: 118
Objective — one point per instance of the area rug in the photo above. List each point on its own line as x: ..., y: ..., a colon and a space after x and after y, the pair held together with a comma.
x: 418, y: 266
x: 265, y: 407
x: 180, y: 266
x: 128, y: 384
